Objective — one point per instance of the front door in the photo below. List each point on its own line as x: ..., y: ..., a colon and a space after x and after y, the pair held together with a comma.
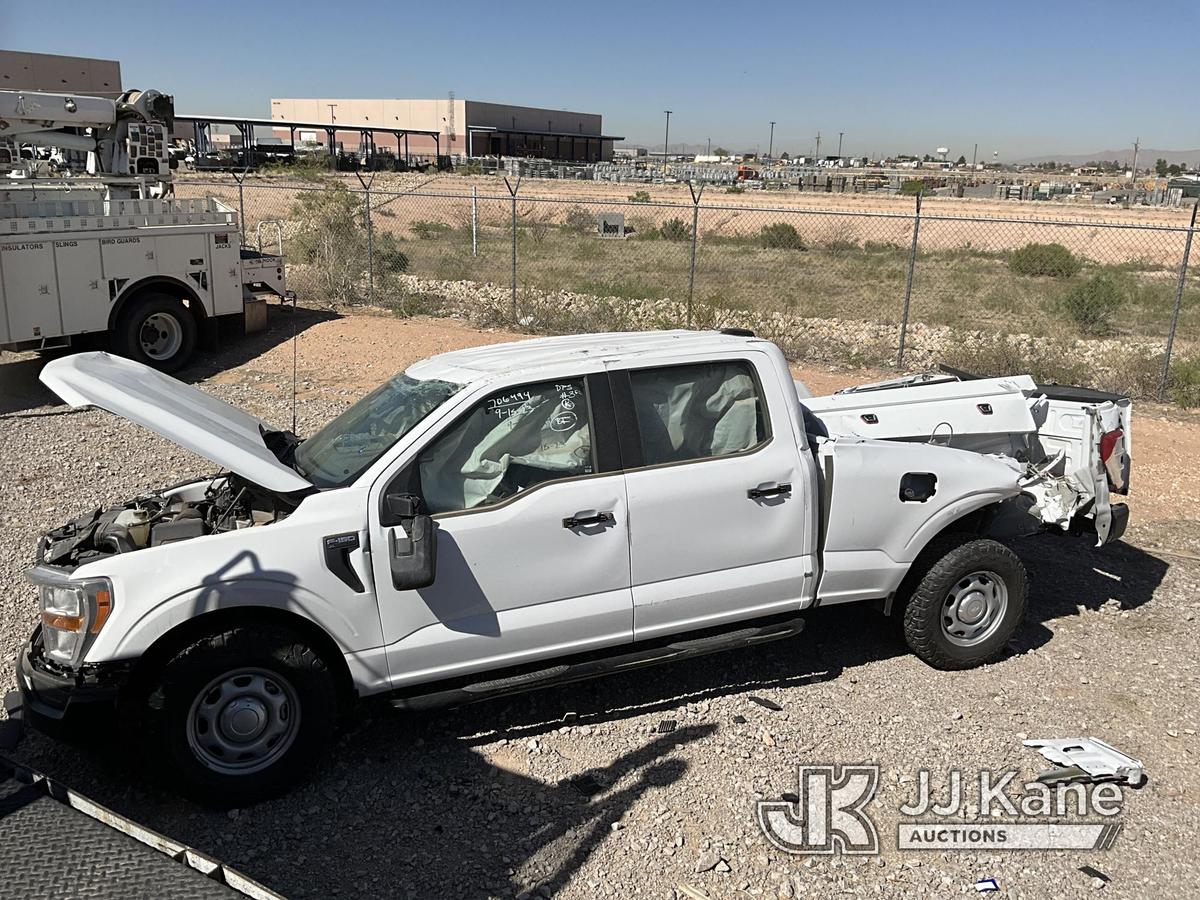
x: 532, y: 539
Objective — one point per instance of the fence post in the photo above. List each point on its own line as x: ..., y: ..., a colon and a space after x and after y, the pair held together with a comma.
x: 1183, y: 268
x: 695, y: 239
x: 240, y: 178
x: 912, y: 262
x: 474, y: 220
x: 512, y: 191
x: 370, y: 236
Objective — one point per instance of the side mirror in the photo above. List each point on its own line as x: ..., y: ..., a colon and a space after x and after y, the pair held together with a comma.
x: 413, y: 556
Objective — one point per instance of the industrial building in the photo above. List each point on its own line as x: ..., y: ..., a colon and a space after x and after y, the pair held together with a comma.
x: 59, y: 74
x: 468, y: 128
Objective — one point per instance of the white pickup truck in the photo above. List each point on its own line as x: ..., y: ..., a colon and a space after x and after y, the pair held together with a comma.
x: 513, y: 516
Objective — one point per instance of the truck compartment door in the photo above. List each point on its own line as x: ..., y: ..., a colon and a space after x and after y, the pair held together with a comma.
x: 85, y: 302
x: 30, y: 290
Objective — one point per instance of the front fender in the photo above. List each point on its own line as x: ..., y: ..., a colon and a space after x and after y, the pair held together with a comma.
x: 236, y: 593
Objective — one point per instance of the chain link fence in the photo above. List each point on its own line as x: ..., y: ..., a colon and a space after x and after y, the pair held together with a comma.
x: 1110, y: 304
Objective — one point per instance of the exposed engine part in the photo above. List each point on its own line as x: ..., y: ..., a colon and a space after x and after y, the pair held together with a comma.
x: 225, y: 503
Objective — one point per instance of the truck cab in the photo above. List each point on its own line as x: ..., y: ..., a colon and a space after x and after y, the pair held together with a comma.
x: 500, y: 519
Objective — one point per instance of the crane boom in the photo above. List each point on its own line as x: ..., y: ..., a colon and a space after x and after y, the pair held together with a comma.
x: 129, y: 136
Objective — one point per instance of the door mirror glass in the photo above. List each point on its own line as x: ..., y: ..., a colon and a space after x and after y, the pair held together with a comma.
x: 412, y: 551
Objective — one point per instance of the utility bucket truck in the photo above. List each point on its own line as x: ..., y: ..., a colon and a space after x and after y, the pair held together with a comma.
x: 109, y: 251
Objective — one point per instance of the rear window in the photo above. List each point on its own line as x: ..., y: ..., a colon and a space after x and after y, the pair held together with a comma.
x: 698, y: 411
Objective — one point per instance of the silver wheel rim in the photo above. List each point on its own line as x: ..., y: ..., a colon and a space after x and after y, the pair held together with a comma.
x: 243, y: 721
x: 974, y: 608
x: 161, y: 336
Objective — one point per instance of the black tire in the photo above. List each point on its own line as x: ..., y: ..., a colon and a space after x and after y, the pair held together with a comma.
x: 137, y: 322
x: 962, y: 566
x: 175, y: 705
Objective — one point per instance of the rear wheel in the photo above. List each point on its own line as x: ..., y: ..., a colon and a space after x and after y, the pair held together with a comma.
x: 241, y: 715
x: 157, y: 330
x: 968, y: 604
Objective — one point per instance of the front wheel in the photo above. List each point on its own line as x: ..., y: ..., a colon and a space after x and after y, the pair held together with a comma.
x: 157, y: 330
x: 968, y: 604
x: 242, y: 715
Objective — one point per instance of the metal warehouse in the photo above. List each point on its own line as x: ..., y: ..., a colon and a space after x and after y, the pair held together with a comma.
x: 464, y: 127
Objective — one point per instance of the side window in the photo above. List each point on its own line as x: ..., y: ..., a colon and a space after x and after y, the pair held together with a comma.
x: 506, y: 444
x: 698, y: 411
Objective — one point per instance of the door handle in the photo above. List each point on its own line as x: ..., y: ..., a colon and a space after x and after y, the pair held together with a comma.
x: 589, y: 517
x: 769, y: 489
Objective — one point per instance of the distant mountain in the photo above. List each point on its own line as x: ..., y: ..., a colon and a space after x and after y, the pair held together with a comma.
x: 1146, y: 157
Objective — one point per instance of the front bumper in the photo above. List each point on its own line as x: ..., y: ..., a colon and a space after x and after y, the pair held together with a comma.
x: 65, y: 703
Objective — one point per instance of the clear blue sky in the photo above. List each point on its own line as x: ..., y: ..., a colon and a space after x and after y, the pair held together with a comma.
x: 1019, y: 77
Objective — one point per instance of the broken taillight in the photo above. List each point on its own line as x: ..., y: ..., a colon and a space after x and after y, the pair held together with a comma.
x: 1116, y: 461
x: 1109, y: 441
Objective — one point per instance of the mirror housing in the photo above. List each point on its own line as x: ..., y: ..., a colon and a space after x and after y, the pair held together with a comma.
x: 413, y: 557
x: 398, y: 507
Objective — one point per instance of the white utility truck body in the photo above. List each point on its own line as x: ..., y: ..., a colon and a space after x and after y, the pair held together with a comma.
x: 111, y: 252
x: 511, y: 516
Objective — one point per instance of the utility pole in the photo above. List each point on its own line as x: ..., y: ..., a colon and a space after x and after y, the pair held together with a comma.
x: 771, y: 143
x: 817, y: 155
x: 666, y: 139
x: 1133, y: 174
x: 840, y: 134
x: 974, y: 153
x: 709, y: 147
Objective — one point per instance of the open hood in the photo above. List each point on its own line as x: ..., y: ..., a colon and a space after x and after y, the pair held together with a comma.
x: 183, y: 414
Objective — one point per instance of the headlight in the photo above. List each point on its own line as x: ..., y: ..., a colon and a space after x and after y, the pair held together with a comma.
x: 73, y: 612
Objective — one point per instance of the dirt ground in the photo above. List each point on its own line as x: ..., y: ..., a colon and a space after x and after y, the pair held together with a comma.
x: 637, y: 786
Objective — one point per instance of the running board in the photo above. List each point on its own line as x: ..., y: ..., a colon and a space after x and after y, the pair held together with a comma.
x: 704, y: 643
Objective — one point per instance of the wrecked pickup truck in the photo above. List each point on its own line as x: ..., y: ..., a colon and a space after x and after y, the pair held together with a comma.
x: 508, y: 517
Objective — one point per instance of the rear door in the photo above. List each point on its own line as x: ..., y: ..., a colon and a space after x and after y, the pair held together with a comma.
x: 721, y: 523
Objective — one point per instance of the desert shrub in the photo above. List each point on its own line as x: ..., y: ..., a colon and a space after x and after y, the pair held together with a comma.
x: 675, y: 230
x: 735, y: 189
x: 427, y: 230
x: 331, y: 242
x: 1091, y: 304
x: 781, y: 236
x: 579, y: 220
x: 1047, y: 361
x: 1053, y: 260
x: 641, y: 228
x: 840, y: 239
x: 389, y: 258
x: 639, y: 197
x: 1183, y: 382
x: 405, y: 303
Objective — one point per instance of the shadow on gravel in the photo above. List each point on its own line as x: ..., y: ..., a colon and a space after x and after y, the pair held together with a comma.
x: 1069, y: 574
x: 20, y: 390
x: 407, y: 806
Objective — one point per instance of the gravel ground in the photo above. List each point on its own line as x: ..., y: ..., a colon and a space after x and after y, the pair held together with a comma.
x: 483, y: 801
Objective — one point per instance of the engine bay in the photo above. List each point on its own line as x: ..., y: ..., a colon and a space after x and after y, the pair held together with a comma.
x: 225, y: 502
